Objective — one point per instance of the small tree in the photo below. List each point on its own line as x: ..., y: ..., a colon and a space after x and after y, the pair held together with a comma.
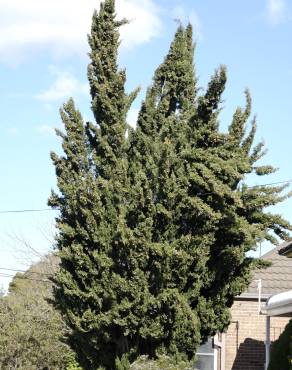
x: 32, y: 333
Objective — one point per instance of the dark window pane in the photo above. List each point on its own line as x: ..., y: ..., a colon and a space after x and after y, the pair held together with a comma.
x: 205, y: 363
x: 206, y: 347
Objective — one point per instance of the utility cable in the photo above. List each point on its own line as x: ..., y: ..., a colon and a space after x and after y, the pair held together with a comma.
x: 23, y: 271
x: 54, y: 209
x: 28, y: 210
x: 23, y: 278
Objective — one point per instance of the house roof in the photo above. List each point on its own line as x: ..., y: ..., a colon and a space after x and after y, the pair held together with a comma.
x: 276, y: 278
x: 287, y: 250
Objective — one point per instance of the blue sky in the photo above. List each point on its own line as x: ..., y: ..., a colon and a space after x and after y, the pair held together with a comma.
x: 43, y: 62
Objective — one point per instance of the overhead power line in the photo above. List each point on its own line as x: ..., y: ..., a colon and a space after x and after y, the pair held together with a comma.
x: 28, y: 210
x: 255, y: 186
x: 23, y: 271
x: 23, y: 278
x: 56, y: 210
x: 270, y: 184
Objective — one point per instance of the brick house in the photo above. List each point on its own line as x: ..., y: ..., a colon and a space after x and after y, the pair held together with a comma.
x: 243, y: 345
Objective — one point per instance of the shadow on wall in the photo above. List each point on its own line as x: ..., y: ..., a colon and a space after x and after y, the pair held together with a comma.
x: 250, y: 355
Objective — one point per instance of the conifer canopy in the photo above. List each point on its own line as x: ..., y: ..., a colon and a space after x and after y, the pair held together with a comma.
x: 155, y: 223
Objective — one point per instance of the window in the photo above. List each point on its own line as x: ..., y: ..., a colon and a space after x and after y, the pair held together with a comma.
x: 207, y: 356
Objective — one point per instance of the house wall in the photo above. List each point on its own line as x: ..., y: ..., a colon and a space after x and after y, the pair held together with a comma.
x: 245, y: 338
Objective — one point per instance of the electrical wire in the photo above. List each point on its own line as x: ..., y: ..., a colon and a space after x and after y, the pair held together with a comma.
x: 50, y: 209
x: 28, y: 210
x: 23, y: 278
x: 54, y: 209
x: 270, y: 184
x: 254, y: 186
x: 23, y: 271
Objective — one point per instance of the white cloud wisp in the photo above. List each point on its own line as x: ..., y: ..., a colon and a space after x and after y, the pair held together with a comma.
x: 46, y: 130
x: 276, y: 11
x: 28, y: 27
x: 64, y: 86
x: 191, y: 16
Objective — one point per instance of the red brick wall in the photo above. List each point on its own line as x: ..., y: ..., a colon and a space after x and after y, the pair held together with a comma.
x: 245, y: 338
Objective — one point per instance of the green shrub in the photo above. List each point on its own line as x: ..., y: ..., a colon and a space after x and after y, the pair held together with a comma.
x: 72, y: 364
x: 123, y: 363
x: 162, y: 363
x: 281, y: 353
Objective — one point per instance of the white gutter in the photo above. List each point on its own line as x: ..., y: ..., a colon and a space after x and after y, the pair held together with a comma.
x: 279, y: 304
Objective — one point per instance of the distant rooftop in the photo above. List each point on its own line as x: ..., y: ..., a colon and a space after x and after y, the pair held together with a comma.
x: 276, y: 278
x: 286, y: 250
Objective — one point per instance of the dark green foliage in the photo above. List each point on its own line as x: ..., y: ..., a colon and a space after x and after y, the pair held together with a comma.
x: 154, y: 226
x: 92, y: 289
x: 281, y: 352
x: 72, y: 363
x: 122, y: 364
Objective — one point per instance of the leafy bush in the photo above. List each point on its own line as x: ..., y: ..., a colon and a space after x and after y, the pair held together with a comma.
x: 72, y: 364
x: 162, y: 363
x: 32, y: 332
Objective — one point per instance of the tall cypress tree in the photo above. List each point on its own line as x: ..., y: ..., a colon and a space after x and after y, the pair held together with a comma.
x: 155, y: 225
x: 201, y: 206
x: 90, y: 287
x: 159, y: 175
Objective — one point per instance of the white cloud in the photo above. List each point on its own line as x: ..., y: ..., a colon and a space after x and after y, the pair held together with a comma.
x: 182, y: 15
x: 144, y: 21
x: 49, y: 107
x: 276, y: 11
x: 13, y: 131
x: 46, y: 129
x: 30, y: 26
x: 132, y: 117
x: 195, y: 21
x: 64, y: 86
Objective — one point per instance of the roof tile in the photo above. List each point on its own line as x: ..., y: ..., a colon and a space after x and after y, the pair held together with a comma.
x: 276, y: 278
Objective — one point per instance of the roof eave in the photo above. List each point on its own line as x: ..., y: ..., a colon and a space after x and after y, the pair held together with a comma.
x: 286, y: 251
